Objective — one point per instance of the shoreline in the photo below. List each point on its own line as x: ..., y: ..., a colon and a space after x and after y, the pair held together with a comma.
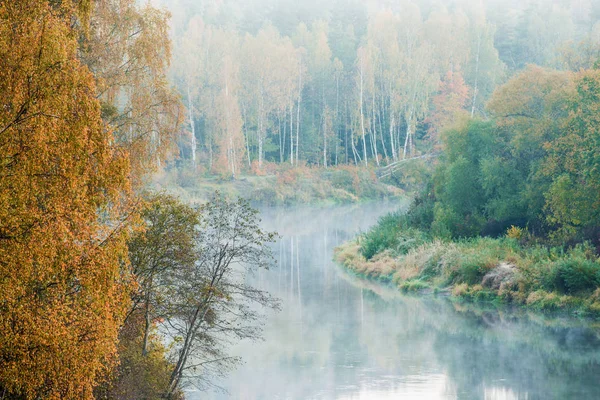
x: 501, y: 287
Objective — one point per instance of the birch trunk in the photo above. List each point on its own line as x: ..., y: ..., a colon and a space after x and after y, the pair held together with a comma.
x: 392, y: 123
x: 292, y: 133
x: 408, y: 138
x: 324, y: 127
x: 261, y: 106
x: 362, y: 116
x: 298, y: 116
x: 476, y: 84
x: 374, y: 130
x: 191, y: 117
x: 380, y: 117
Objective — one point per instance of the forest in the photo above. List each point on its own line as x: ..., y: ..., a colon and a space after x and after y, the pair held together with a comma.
x: 115, y: 286
x: 351, y: 82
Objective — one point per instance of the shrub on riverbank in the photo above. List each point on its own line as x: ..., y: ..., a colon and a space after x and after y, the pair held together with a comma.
x: 483, y: 269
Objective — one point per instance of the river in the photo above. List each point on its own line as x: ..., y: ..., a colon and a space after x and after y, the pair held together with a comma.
x: 337, y: 338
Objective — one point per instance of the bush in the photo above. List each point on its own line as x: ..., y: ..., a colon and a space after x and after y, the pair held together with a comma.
x: 391, y: 233
x: 542, y: 300
x: 382, y: 236
x: 573, y: 275
x: 420, y: 214
x: 514, y: 232
x: 473, y: 259
x: 265, y: 196
x: 471, y: 271
x: 413, y: 286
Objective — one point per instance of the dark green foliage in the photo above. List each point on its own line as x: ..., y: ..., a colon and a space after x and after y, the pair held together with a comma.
x: 577, y: 275
x: 575, y: 272
x: 415, y: 285
x: 479, y: 187
x: 420, y: 214
x: 392, y: 232
x: 382, y: 236
x: 470, y: 272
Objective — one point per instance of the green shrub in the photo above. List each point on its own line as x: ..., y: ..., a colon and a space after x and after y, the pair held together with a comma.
x: 432, y: 267
x: 382, y: 236
x: 543, y: 301
x: 473, y: 260
x: 470, y: 272
x: 391, y: 233
x: 420, y: 213
x: 413, y: 286
x: 573, y: 275
x: 267, y: 196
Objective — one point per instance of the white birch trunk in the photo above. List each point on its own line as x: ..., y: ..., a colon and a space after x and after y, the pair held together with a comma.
x: 392, y: 123
x: 476, y: 84
x: 374, y: 139
x: 298, y: 116
x: 292, y: 133
x: 191, y: 117
x: 362, y: 116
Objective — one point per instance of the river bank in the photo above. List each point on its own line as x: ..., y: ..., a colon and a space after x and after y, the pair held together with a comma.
x: 483, y: 270
x: 281, y: 185
x: 352, y: 338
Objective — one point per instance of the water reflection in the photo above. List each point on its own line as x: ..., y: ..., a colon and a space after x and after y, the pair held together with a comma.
x: 338, y: 338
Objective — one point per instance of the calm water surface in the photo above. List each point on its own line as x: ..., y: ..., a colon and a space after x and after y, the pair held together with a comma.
x: 341, y: 339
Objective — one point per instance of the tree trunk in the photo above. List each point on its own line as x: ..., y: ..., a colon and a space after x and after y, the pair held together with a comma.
x: 408, y: 138
x: 260, y: 129
x: 191, y: 117
x: 246, y: 136
x: 146, y: 324
x: 362, y: 117
x: 337, y: 117
x: 292, y: 133
x: 475, y: 85
x: 210, y: 155
x: 374, y: 130
x: 380, y: 117
x: 298, y: 116
x: 392, y: 123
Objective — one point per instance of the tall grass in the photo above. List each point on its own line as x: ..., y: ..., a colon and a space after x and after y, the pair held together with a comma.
x: 537, y: 276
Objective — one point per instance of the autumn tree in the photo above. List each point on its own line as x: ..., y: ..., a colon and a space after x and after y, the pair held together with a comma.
x: 260, y: 55
x: 128, y: 49
x: 211, y: 303
x: 189, y: 67
x: 165, y: 245
x: 63, y: 288
x: 572, y: 198
x: 448, y: 103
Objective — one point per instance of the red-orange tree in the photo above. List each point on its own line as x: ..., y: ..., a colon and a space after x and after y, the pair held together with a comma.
x: 62, y: 190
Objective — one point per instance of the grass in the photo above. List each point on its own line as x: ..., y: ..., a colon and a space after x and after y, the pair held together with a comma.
x: 499, y: 270
x: 277, y: 185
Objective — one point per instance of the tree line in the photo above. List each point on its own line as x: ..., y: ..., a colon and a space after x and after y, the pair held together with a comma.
x: 354, y: 82
x: 533, y: 165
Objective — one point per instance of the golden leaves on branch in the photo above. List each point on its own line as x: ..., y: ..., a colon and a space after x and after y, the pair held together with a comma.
x: 128, y: 50
x: 63, y: 188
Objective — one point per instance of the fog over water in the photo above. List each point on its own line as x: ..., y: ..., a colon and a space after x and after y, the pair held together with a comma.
x: 339, y: 338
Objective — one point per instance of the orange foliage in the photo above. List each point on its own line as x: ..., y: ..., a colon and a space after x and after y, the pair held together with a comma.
x: 450, y: 101
x: 128, y: 49
x: 63, y: 292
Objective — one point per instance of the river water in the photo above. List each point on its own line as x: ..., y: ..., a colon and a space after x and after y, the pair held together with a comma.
x: 337, y: 338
